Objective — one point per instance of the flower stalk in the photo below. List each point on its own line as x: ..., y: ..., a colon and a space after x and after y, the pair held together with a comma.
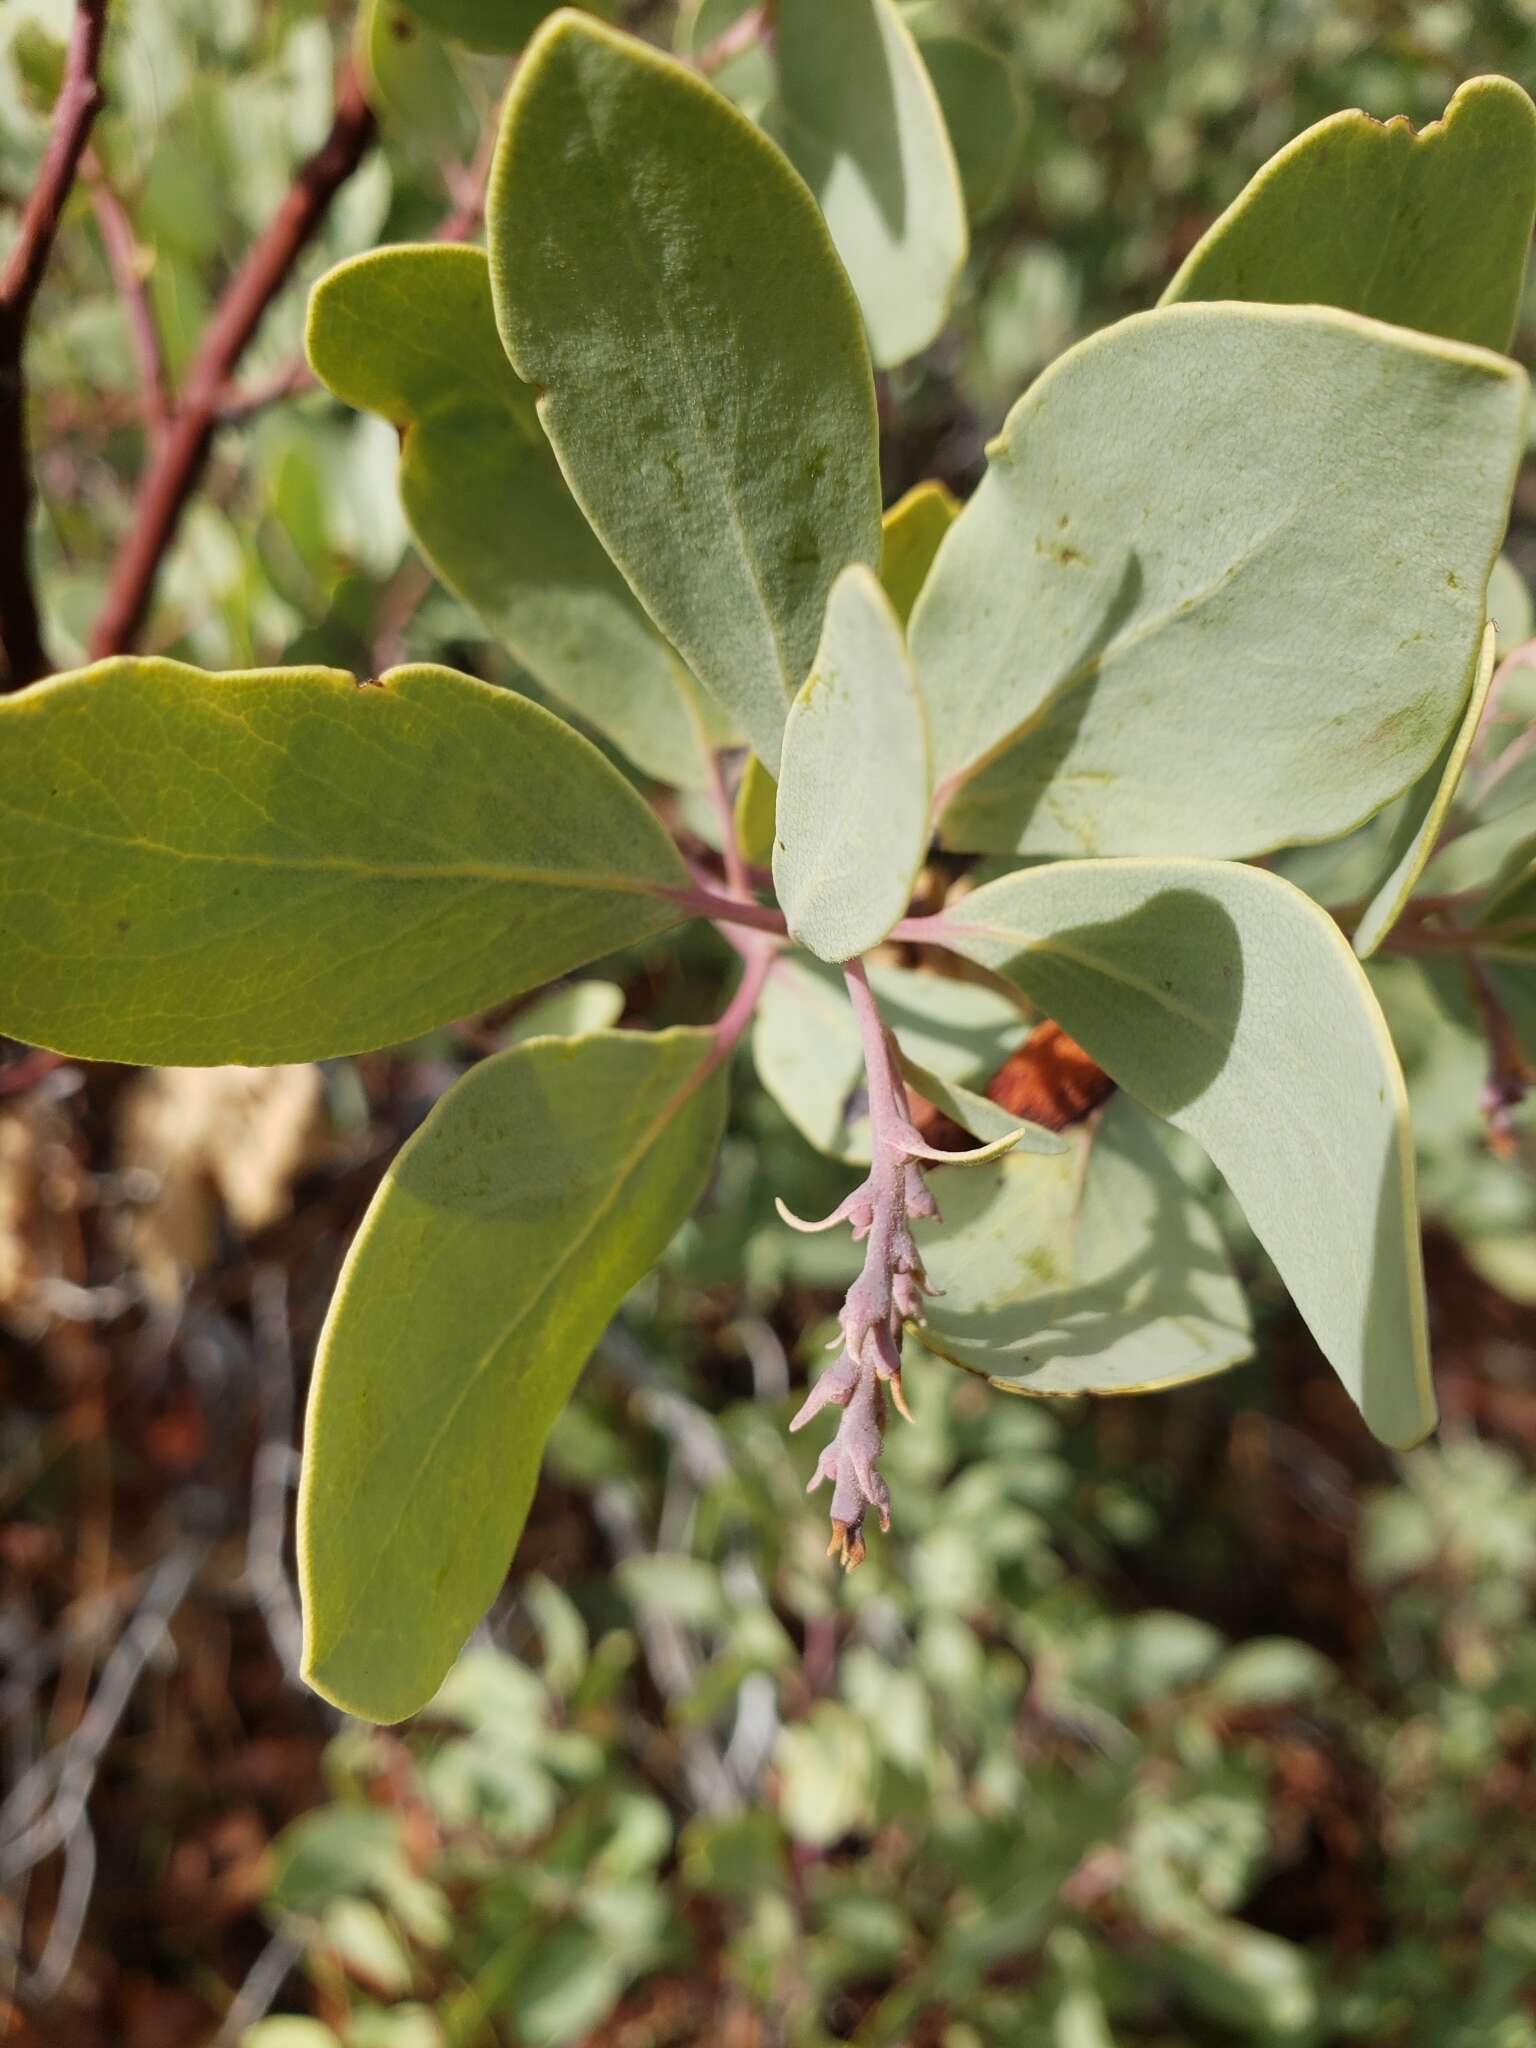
x: 886, y: 1296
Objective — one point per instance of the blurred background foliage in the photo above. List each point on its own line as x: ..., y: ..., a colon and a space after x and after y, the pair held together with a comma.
x: 1191, y: 1720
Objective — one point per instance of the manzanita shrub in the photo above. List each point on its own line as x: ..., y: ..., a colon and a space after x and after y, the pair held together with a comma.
x: 1222, y: 593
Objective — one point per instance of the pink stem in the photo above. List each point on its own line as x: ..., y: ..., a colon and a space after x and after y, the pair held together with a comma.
x: 741, y: 1009
x: 734, y: 41
x: 937, y: 930
x: 887, y: 1096
x: 702, y: 902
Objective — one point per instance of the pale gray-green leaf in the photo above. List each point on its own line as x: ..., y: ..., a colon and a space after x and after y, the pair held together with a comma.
x: 409, y: 332
x: 852, y: 820
x: 982, y: 112
x: 1226, y: 1001
x: 665, y: 282
x: 1428, y: 231
x: 570, y: 1011
x: 986, y: 1120
x: 505, y: 1235
x: 1340, y: 872
x: 1413, y: 840
x: 1111, y: 633
x: 1100, y: 1272
x: 411, y: 80
x: 1509, y: 604
x: 1497, y: 825
x: 858, y: 115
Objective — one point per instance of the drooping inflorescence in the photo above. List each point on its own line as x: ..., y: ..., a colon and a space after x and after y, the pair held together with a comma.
x: 886, y: 1296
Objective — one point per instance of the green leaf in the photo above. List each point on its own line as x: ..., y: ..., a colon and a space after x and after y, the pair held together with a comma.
x: 505, y: 1235
x: 1428, y: 231
x: 805, y: 1043
x: 982, y: 115
x: 633, y: 215
x: 281, y: 865
x: 39, y: 61
x: 410, y: 333
x: 1272, y: 1671
x: 852, y: 822
x: 1240, y: 1976
x: 1496, y: 818
x: 488, y: 24
x: 1098, y: 1272
x: 1224, y: 1000
x: 398, y: 2026
x: 1341, y: 872
x: 1509, y: 604
x: 755, y: 814
x: 826, y: 1774
x: 1486, y: 853
x: 1111, y: 633
x: 335, y: 1852
x: 411, y: 79
x: 913, y: 528
x: 857, y: 114
x: 289, y: 2032
x: 567, y: 1012
x: 1414, y: 837
x: 357, y: 1934
x: 1080, y: 2019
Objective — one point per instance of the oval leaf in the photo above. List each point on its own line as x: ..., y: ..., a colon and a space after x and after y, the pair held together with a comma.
x: 1226, y: 1001
x: 982, y: 114
x: 410, y: 333
x: 852, y: 821
x: 1428, y: 231
x: 1111, y: 631
x: 912, y: 530
x: 858, y: 116
x: 1414, y: 837
x: 411, y: 80
x: 503, y: 1238
x: 664, y: 280
x: 1100, y: 1272
x: 282, y: 865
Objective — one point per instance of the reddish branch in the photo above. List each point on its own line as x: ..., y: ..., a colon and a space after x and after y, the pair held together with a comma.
x: 177, y: 463
x: 75, y: 110
x: 122, y: 252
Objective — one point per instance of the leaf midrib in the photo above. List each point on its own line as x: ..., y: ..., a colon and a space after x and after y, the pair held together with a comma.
x: 339, y: 864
